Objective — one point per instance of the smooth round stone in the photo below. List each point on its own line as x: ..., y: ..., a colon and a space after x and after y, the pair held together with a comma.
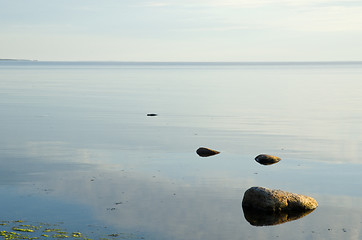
x: 266, y: 159
x: 206, y: 152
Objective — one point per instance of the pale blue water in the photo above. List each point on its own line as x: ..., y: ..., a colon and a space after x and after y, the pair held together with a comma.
x: 77, y: 147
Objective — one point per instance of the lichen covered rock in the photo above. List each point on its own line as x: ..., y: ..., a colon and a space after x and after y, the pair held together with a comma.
x: 277, y: 200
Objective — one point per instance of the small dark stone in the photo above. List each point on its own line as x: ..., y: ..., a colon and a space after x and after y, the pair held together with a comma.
x: 266, y: 159
x: 151, y: 114
x: 114, y: 235
x: 206, y: 152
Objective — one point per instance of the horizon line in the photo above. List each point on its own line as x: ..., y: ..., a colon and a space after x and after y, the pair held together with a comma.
x: 182, y: 62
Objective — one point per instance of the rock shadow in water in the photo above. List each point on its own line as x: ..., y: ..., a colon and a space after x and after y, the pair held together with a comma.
x: 263, y: 218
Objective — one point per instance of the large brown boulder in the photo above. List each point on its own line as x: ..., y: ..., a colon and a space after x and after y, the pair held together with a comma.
x: 277, y: 200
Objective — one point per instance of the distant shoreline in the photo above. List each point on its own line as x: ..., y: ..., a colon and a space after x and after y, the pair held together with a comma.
x: 170, y: 63
x: 12, y: 60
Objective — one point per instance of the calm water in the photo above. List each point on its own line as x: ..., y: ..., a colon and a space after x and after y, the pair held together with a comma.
x: 77, y: 148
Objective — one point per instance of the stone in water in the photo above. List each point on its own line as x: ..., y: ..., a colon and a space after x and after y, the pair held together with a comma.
x: 206, y: 152
x: 266, y: 159
x: 270, y: 200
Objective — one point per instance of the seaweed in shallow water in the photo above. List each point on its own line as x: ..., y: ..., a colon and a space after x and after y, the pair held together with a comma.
x: 18, y: 230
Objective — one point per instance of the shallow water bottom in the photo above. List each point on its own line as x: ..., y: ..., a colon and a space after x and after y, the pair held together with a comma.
x: 145, y: 199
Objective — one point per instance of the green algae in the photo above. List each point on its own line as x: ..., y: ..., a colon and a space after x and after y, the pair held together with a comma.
x: 13, y: 235
x: 77, y: 234
x: 22, y: 229
x: 51, y: 230
x: 60, y: 236
x: 18, y: 230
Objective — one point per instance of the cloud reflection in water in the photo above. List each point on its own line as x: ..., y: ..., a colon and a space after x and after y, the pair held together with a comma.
x: 151, y: 200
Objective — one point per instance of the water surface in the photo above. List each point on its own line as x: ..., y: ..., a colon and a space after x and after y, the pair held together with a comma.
x: 77, y: 146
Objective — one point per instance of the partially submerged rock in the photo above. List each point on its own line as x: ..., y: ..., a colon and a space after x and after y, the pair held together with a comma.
x: 206, y: 152
x: 261, y: 218
x: 277, y: 200
x: 266, y: 159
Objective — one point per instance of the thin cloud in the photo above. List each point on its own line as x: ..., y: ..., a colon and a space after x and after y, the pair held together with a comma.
x: 328, y: 19
x: 225, y: 28
x: 324, y: 16
x: 250, y: 4
x: 157, y: 4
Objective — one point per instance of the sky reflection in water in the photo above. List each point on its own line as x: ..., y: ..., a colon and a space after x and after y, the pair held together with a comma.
x: 77, y: 147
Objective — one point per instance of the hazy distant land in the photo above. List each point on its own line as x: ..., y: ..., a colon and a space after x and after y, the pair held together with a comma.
x: 10, y: 59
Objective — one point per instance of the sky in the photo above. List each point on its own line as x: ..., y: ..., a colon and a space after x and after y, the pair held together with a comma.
x: 181, y: 30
